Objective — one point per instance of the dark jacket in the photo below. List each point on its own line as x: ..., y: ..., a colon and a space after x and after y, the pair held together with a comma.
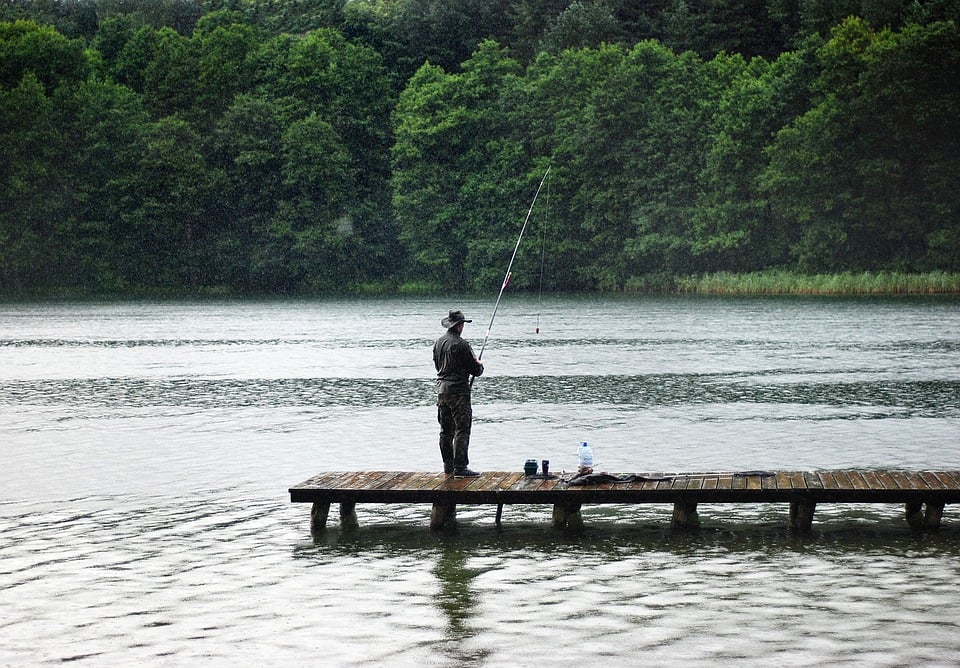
x: 455, y: 363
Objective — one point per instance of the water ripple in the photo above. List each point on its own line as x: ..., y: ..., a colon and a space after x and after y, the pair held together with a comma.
x: 901, y: 397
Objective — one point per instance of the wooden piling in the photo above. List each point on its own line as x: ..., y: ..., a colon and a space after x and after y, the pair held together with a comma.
x: 319, y: 513
x: 924, y: 515
x: 685, y: 515
x: 567, y: 516
x: 348, y: 516
x: 801, y: 514
x: 931, y: 519
x: 443, y: 515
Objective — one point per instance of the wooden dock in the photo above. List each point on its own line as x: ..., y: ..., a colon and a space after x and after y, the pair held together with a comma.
x: 923, y: 493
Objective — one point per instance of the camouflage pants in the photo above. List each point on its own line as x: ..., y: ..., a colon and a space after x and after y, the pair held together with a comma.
x: 455, y: 416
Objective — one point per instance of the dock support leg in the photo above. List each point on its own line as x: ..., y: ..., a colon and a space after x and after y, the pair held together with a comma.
x: 348, y: 516
x: 685, y: 515
x: 499, y: 513
x: 919, y: 517
x: 914, y: 514
x: 931, y: 519
x: 443, y: 514
x: 318, y: 517
x: 801, y: 514
x: 567, y: 517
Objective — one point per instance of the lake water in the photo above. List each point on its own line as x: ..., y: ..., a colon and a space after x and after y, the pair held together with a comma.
x: 148, y: 448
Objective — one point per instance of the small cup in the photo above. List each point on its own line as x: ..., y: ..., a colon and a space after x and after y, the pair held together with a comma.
x: 545, y: 466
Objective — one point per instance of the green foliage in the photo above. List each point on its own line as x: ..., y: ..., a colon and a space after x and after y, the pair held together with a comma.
x: 330, y: 145
x: 869, y: 174
x: 449, y: 164
x: 53, y: 59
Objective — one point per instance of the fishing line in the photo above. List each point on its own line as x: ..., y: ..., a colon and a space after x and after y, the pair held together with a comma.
x: 543, y: 251
x: 506, y: 278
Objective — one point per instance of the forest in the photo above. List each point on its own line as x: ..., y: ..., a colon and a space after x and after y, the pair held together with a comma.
x: 234, y: 147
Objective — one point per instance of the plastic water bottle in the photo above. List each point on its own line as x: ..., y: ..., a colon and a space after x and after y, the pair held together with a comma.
x: 586, y: 457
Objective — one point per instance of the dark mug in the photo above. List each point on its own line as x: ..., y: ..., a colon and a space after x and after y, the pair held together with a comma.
x: 545, y: 466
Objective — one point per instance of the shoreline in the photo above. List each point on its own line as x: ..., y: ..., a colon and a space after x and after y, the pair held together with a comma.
x: 762, y: 283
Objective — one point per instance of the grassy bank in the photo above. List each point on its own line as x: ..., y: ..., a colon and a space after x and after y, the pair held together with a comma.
x: 722, y: 283
x: 847, y: 283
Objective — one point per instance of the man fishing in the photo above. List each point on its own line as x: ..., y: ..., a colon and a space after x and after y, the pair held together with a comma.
x: 455, y: 363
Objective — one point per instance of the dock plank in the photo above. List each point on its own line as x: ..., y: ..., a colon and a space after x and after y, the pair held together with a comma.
x: 857, y: 481
x: 769, y: 482
x: 886, y: 480
x: 829, y: 480
x: 796, y: 480
x: 900, y: 480
x: 949, y: 478
x: 420, y: 481
x: 932, y: 480
x: 872, y: 478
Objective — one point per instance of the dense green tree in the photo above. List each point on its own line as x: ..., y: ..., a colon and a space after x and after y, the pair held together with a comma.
x: 171, y: 78
x: 246, y: 159
x: 163, y: 239
x: 446, y: 33
x: 559, y: 92
x: 71, y: 18
x: 112, y: 35
x: 104, y: 125
x: 869, y: 173
x: 672, y: 150
x: 530, y: 20
x: 449, y: 129
x: 225, y: 52
x: 312, y: 231
x: 346, y: 87
x: 39, y: 70
x: 180, y: 15
x: 53, y: 59
x: 734, y: 228
x: 135, y: 55
x: 27, y: 181
x: 582, y: 24
x: 430, y: 135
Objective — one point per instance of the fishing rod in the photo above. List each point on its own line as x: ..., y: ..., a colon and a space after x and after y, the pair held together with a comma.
x: 506, y: 278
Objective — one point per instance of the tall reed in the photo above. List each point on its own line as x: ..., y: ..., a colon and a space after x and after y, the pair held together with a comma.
x: 780, y: 282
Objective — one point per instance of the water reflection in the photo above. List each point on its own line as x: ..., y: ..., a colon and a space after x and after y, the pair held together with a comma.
x: 458, y: 601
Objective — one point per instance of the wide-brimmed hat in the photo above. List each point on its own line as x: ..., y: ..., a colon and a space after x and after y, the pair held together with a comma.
x: 455, y: 318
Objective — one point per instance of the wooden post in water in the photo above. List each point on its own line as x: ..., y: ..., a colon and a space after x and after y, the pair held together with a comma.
x: 318, y: 517
x: 685, y: 515
x: 801, y: 514
x: 348, y: 516
x: 567, y: 517
x: 320, y: 513
x: 443, y: 514
x: 924, y: 515
x: 931, y: 519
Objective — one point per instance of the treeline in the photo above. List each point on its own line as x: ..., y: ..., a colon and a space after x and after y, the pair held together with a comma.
x: 248, y: 147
